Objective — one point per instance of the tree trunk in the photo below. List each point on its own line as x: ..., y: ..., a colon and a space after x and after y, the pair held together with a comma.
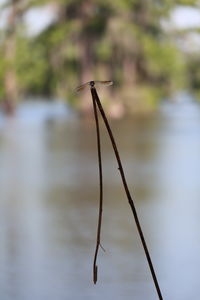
x: 11, y: 91
x: 86, y: 46
x: 129, y: 71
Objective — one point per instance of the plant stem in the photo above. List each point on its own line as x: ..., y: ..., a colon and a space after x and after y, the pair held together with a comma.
x: 98, y: 239
x: 130, y: 200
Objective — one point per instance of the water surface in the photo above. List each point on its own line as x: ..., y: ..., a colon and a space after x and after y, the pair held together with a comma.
x: 49, y: 202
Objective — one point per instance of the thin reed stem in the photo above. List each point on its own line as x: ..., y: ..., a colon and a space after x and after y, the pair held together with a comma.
x: 98, y: 239
x: 130, y: 200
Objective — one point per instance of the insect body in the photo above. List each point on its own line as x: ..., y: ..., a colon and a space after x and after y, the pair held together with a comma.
x: 92, y: 84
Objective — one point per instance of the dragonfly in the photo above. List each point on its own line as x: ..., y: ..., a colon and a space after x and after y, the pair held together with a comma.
x: 97, y: 105
x: 93, y: 83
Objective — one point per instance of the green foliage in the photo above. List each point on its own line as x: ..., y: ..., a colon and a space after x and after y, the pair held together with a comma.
x: 2, y: 72
x: 31, y: 66
x: 193, y: 78
x: 162, y: 60
x: 187, y: 2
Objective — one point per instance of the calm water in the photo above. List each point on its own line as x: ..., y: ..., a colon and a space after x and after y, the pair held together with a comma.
x: 49, y: 200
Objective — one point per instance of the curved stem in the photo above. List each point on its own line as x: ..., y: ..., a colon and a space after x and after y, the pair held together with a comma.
x: 98, y: 239
x: 130, y: 200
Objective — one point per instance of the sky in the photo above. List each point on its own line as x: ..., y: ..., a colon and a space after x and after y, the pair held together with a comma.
x: 185, y: 17
x: 36, y: 19
x: 39, y: 18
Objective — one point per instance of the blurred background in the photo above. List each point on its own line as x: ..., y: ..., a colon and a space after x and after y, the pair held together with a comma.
x: 48, y: 160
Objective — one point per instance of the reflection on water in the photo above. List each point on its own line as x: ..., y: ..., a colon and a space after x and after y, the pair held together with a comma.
x: 49, y: 198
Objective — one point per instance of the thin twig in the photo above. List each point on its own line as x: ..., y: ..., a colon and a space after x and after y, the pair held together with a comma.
x: 98, y: 240
x: 130, y: 200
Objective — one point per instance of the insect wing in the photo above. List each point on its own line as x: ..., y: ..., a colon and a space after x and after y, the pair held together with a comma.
x: 82, y: 87
x: 104, y: 83
x: 95, y: 83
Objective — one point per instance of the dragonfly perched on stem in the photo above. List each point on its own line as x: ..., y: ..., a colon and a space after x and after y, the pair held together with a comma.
x: 93, y: 84
x: 98, y: 106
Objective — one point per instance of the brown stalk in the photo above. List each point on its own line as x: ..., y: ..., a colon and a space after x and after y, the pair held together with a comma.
x: 98, y: 239
x: 96, y: 100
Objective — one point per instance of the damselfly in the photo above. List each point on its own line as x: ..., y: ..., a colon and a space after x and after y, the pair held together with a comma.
x: 93, y: 84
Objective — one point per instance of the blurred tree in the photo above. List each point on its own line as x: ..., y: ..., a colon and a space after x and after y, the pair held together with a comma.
x: 10, y: 93
x: 122, y: 40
